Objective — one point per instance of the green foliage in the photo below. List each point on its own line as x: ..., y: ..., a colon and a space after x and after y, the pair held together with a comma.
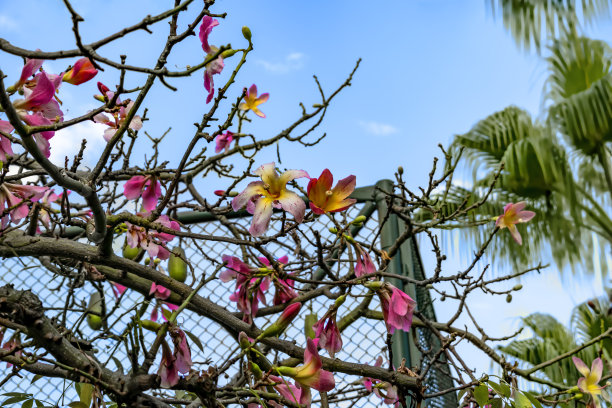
x: 24, y: 400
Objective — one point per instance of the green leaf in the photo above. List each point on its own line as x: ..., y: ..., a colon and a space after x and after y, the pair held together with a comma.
x: 28, y: 404
x: 85, y: 393
x: 39, y: 404
x: 15, y: 394
x: 15, y: 399
x: 481, y: 394
x: 36, y: 378
x: 496, y: 403
x: 533, y: 399
x: 194, y: 339
x: 166, y: 313
x: 502, y: 389
x: 521, y: 400
x: 461, y: 394
x: 77, y: 404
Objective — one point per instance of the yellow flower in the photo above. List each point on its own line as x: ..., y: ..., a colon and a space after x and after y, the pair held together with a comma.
x: 251, y: 101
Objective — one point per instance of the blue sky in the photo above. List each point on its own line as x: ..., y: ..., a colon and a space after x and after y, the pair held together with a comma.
x: 430, y: 69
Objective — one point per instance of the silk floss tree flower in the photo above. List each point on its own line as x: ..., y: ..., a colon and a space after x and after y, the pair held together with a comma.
x: 146, y: 186
x: 5, y: 144
x: 285, y: 289
x: 252, y: 101
x: 311, y: 374
x: 224, y: 141
x: 260, y: 197
x: 514, y: 214
x: 382, y: 389
x: 250, y: 289
x: 82, y: 71
x: 323, y: 198
x: 589, y: 383
x: 215, y: 66
x: 14, y: 200
x: 152, y: 241
x: 397, y: 306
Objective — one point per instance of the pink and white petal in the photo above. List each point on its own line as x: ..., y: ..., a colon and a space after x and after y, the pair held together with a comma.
x: 258, y: 112
x: 525, y: 216
x: 263, y: 98
x: 5, y: 126
x: 582, y: 368
x: 289, y: 175
x: 132, y: 189
x: 596, y: 370
x: 515, y: 234
x: 261, y: 217
x: 136, y: 123
x: 325, y: 381
x: 293, y: 204
x: 252, y: 92
x: 268, y: 174
x: 253, y: 189
x: 109, y: 133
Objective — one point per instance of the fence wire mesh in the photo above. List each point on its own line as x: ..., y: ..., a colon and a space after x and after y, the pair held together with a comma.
x: 364, y: 340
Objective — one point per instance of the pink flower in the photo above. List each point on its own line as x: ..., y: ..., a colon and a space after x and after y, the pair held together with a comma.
x: 284, y: 320
x: 30, y: 68
x: 147, y: 186
x: 208, y: 23
x: 285, y: 289
x: 324, y: 199
x: 12, y: 201
x: 311, y: 374
x: 119, y: 115
x: 270, y: 193
x: 182, y: 352
x: 397, y: 306
x: 5, y: 143
x: 364, y: 265
x: 513, y: 215
x: 152, y: 241
x: 224, y: 141
x: 159, y: 291
x: 290, y: 392
x: 213, y: 67
x: 589, y: 383
x: 383, y: 390
x: 82, y: 71
x: 118, y: 289
x: 168, y: 369
x: 328, y: 333
x: 250, y: 290
x: 251, y: 101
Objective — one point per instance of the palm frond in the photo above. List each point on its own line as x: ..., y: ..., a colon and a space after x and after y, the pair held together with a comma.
x: 533, y: 22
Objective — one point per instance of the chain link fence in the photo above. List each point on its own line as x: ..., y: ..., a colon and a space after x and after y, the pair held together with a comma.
x: 363, y: 341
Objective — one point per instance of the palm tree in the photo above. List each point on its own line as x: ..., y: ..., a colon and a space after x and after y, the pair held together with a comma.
x: 561, y: 164
x: 550, y: 339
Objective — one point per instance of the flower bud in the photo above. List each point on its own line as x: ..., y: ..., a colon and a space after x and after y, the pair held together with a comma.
x: 150, y: 325
x: 349, y: 238
x: 177, y: 267
x: 283, y: 321
x: 244, y: 341
x: 517, y: 287
x: 359, y: 220
x: 509, y: 298
x: 333, y: 230
x: 129, y: 252
x: 219, y: 193
x: 156, y: 261
x: 400, y: 170
x: 94, y: 319
x: 317, y: 105
x: 375, y: 285
x: 228, y: 53
x: 147, y: 261
x: 246, y: 33
x: 232, y: 194
x: 257, y: 373
x: 339, y: 301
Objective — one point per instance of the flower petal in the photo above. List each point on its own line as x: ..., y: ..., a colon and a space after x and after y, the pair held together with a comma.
x: 293, y: 204
x: 261, y: 217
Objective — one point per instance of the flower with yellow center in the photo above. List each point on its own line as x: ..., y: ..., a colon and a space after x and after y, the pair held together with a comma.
x: 588, y: 383
x: 514, y: 214
x: 261, y: 197
x: 251, y: 101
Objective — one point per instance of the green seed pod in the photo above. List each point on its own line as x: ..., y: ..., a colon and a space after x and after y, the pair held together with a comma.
x: 246, y: 33
x: 129, y: 252
x: 177, y: 267
x: 150, y: 325
x: 94, y: 319
x: 509, y: 298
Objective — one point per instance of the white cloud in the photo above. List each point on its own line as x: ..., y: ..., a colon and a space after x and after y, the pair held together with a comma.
x: 292, y: 62
x: 377, y: 128
x: 67, y: 142
x: 7, y: 24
